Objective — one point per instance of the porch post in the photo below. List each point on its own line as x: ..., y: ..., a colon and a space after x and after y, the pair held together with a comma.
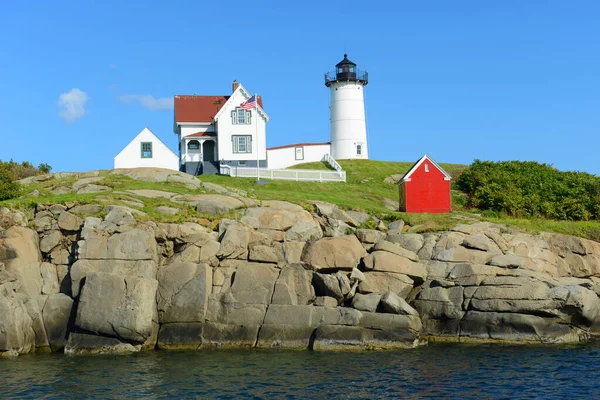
x: 184, y: 150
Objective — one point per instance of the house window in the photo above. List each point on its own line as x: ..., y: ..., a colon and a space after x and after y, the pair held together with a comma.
x: 358, y: 149
x: 146, y: 149
x: 426, y: 167
x: 242, y: 144
x: 299, y: 153
x: 242, y: 163
x: 193, y: 145
x: 241, y: 117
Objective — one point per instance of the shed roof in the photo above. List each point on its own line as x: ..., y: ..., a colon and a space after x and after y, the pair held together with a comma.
x: 406, y: 177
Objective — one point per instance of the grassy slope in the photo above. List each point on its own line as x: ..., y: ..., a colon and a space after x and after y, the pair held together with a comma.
x: 352, y: 195
x: 363, y: 191
x: 367, y: 196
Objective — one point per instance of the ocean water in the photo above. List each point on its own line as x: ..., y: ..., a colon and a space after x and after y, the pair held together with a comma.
x: 434, y: 371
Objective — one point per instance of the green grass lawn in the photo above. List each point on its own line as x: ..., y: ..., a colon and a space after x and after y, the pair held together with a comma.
x: 365, y: 190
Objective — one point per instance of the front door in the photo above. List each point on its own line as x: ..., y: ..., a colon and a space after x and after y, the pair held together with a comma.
x: 208, y: 150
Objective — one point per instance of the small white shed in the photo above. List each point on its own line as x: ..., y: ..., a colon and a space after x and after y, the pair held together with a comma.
x: 147, y: 150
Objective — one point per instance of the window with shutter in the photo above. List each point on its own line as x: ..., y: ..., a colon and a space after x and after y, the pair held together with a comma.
x: 242, y: 143
x: 241, y: 117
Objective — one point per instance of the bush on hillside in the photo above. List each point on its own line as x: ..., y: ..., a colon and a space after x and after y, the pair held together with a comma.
x: 44, y: 168
x: 531, y: 189
x: 26, y: 169
x: 8, y: 187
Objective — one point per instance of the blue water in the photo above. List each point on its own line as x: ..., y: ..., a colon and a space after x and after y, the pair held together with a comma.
x: 434, y: 371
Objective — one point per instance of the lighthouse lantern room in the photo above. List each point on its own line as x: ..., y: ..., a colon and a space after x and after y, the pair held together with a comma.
x: 348, y: 131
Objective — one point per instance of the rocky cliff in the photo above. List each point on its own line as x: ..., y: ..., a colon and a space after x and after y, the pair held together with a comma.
x: 285, y: 277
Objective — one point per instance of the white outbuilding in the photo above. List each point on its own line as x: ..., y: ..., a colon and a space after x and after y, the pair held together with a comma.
x: 147, y: 150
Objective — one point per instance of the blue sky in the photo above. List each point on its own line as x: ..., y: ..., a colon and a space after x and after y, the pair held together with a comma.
x: 460, y: 80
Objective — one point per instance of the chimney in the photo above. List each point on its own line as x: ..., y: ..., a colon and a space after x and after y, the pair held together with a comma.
x: 234, y: 86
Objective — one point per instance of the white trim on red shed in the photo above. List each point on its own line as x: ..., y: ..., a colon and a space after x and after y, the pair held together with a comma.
x: 406, y: 177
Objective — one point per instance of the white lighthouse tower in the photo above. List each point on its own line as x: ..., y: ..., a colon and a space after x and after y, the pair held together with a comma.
x: 348, y: 130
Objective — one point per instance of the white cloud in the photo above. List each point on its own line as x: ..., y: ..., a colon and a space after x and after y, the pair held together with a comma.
x: 72, y: 105
x: 149, y: 101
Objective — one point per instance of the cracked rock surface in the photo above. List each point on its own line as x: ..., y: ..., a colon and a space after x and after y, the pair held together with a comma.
x: 283, y: 276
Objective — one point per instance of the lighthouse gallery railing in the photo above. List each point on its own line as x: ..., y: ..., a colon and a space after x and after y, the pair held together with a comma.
x: 362, y: 76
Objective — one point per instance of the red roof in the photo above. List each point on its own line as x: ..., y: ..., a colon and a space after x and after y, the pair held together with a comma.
x: 201, y: 134
x: 200, y: 108
x: 298, y: 145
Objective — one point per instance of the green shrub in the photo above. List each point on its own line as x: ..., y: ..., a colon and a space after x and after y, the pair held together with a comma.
x: 44, y: 168
x: 9, y: 188
x: 530, y: 189
x: 25, y: 169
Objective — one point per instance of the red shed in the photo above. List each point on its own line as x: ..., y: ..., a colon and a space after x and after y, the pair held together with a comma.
x: 425, y: 188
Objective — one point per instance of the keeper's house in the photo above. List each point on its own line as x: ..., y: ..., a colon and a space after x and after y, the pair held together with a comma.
x: 215, y: 131
x: 425, y: 188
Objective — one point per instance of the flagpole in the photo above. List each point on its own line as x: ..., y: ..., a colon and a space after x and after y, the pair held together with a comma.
x: 256, y: 132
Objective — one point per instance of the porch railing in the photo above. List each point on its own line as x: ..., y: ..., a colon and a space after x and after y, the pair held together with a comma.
x: 191, y: 157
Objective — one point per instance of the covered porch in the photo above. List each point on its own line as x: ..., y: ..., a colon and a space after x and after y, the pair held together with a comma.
x: 199, y: 154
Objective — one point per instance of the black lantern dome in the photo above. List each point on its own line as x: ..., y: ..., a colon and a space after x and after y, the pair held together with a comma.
x: 346, y: 70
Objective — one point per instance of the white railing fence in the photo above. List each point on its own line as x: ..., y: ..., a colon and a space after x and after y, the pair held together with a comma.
x: 285, y: 174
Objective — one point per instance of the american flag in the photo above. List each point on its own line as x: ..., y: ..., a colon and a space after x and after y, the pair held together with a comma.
x: 248, y: 104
